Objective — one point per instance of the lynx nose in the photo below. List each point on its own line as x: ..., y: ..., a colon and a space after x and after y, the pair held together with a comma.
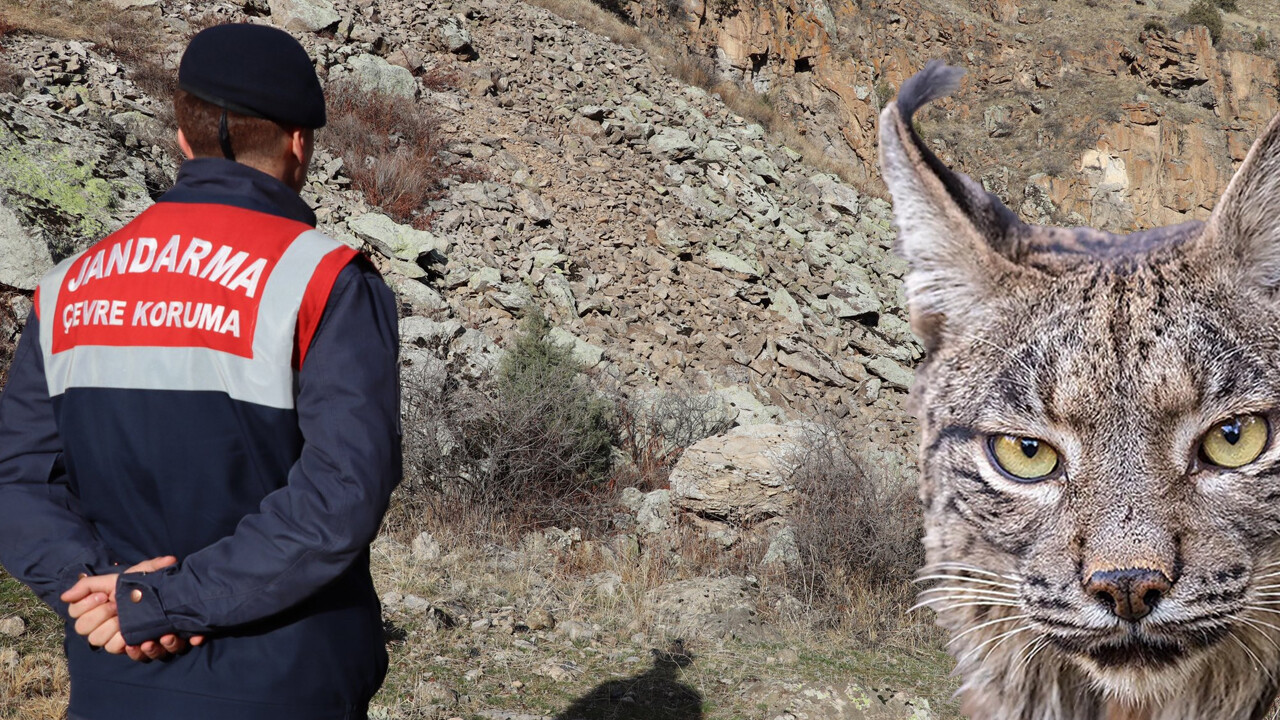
x: 1130, y: 594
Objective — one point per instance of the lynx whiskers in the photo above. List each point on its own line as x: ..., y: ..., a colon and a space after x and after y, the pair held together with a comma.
x: 1100, y: 467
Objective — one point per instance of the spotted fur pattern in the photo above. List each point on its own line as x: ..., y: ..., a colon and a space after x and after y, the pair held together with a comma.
x: 1121, y: 352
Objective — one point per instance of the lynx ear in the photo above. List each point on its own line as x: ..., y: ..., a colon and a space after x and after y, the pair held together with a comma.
x: 1244, y: 228
x: 959, y: 241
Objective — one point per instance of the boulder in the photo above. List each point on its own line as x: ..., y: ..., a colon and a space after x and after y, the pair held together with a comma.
x: 303, y: 15
x: 65, y: 184
x: 373, y: 73
x: 711, y: 608
x: 395, y: 240
x: 740, y: 477
x: 24, y: 259
x: 673, y: 143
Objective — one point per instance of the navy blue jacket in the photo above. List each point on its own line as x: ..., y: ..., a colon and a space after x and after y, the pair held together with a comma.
x: 269, y: 496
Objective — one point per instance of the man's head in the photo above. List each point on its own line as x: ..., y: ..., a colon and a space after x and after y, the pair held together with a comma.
x: 249, y: 93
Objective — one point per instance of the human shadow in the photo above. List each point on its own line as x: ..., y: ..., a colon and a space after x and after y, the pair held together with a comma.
x: 656, y: 694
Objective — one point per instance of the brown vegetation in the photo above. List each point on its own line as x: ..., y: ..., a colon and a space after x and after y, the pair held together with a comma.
x: 858, y: 529
x: 390, y: 147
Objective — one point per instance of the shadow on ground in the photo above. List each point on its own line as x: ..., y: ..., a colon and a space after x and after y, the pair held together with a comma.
x: 654, y: 695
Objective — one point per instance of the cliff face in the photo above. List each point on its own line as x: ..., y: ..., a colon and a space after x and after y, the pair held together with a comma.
x: 1072, y: 114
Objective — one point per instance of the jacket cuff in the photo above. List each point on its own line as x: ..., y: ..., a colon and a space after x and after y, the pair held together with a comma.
x: 140, y: 610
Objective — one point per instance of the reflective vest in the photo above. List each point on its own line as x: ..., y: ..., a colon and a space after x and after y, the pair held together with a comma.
x: 190, y: 297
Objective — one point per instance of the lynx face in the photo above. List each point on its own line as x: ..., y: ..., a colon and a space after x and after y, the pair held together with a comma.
x: 1100, y: 461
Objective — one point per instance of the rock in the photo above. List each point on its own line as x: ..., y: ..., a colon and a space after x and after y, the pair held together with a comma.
x: 836, y: 194
x: 559, y: 670
x: 717, y: 608
x: 66, y: 184
x: 425, y: 548
x: 540, y: 619
x: 395, y: 240
x: 584, y: 353
x: 782, y: 550
x: 781, y: 302
x: 455, y: 37
x: 631, y: 498
x: 13, y: 627
x: 654, y: 514
x: 23, y: 258
x: 834, y: 700
x: 891, y: 372
x: 413, y: 603
x: 747, y: 408
x: 740, y: 477
x: 728, y: 262
x: 434, y: 692
x: 669, y: 235
x: 576, y: 631
x: 303, y: 15
x: 556, y: 287
x: 533, y: 206
x: 374, y: 73
x: 673, y: 143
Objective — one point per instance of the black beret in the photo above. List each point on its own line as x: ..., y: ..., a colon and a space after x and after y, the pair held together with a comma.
x: 254, y: 70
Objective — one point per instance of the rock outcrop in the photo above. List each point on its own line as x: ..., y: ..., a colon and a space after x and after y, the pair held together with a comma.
x: 1166, y: 112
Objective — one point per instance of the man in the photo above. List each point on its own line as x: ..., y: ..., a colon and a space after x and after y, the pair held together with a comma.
x: 215, y: 383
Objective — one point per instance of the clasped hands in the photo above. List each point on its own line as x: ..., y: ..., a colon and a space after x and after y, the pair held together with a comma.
x: 92, y: 604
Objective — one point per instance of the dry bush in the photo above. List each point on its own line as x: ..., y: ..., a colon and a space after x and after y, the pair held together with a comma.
x: 390, y: 147
x: 533, y: 444
x: 858, y: 529
x: 749, y: 104
x: 67, y: 19
x: 596, y: 19
x: 654, y: 432
x: 693, y: 70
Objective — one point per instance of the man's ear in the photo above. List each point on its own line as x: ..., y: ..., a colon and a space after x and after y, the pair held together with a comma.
x: 185, y: 146
x: 960, y: 242
x: 301, y: 143
x: 1244, y: 230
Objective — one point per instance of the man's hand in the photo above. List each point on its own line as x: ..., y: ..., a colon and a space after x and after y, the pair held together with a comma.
x: 92, y: 604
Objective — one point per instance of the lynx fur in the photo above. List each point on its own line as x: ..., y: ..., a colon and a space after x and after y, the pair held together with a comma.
x: 1121, y: 352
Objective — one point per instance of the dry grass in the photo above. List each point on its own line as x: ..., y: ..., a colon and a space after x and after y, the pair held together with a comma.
x: 596, y: 19
x: 35, y: 688
x: 390, y: 147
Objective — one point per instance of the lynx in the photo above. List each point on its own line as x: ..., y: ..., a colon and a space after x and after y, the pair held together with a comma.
x: 1099, y: 464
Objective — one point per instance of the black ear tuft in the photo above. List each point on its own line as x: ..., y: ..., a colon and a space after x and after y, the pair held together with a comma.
x: 936, y: 80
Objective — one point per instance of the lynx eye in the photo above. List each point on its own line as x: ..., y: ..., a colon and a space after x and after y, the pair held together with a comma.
x: 1024, y: 459
x: 1235, y: 441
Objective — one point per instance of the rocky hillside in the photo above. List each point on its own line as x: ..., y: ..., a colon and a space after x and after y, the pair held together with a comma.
x: 670, y: 241
x: 1115, y: 114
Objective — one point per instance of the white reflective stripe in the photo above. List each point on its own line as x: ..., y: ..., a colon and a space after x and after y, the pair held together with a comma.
x: 166, y: 368
x: 278, y: 311
x: 50, y: 286
x: 265, y: 379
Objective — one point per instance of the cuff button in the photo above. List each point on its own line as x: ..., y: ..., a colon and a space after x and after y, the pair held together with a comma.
x: 136, y: 595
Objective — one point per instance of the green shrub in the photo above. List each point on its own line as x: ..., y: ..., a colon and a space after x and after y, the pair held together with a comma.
x: 884, y: 94
x: 1227, y: 5
x: 1206, y: 13
x: 1154, y: 25
x: 1260, y: 42
x: 531, y: 443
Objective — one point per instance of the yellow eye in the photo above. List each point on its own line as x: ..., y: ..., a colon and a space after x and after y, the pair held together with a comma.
x: 1024, y: 459
x: 1235, y: 441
